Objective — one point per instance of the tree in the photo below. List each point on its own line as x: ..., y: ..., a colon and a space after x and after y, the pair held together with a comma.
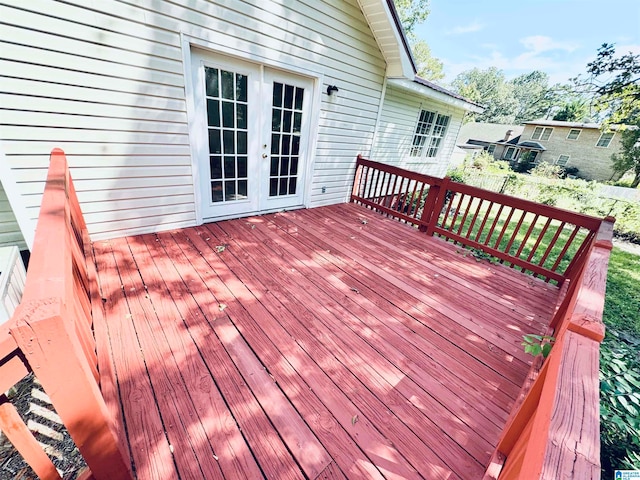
x: 534, y: 96
x: 412, y: 13
x: 614, y: 84
x: 489, y: 89
x: 429, y: 67
x: 573, y: 111
x: 628, y: 159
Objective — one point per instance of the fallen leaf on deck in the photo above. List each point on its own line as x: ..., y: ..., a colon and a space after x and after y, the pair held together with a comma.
x: 354, y: 419
x: 222, y: 306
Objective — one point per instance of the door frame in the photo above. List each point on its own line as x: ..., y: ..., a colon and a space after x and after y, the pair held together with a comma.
x: 188, y: 42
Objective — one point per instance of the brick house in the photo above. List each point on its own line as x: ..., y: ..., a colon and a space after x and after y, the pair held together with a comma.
x: 570, y: 144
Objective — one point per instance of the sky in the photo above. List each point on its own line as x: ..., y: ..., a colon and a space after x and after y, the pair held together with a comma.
x: 558, y: 37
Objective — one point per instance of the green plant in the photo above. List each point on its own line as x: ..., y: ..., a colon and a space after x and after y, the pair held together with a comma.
x: 538, y: 344
x: 547, y: 170
x: 619, y: 404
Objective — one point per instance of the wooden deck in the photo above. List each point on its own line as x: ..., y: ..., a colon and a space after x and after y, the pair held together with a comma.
x: 322, y: 343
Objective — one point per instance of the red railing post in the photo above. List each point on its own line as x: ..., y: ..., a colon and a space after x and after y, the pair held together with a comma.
x: 355, y: 190
x: 52, y: 327
x: 433, y: 205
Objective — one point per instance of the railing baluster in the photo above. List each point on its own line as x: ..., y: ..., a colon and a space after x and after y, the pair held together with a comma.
x: 552, y: 244
x: 460, y: 213
x: 484, y: 221
x: 541, y: 235
x: 567, y: 244
x: 526, y: 236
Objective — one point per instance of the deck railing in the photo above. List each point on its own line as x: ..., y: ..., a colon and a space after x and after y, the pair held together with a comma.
x: 532, y: 237
x: 50, y: 334
x: 553, y: 431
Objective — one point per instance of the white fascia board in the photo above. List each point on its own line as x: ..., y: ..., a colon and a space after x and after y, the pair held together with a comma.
x: 426, y: 92
x: 389, y: 37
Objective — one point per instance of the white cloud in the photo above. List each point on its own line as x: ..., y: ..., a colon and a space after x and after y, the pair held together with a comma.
x: 462, y: 29
x: 540, y: 44
x: 538, y: 52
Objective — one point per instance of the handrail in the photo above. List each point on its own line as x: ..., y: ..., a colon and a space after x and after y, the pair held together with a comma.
x: 562, y: 406
x: 50, y: 334
x: 553, y: 432
x: 519, y: 233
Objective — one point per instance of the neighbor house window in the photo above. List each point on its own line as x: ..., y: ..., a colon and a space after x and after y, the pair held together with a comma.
x: 533, y: 156
x: 574, y: 133
x: 562, y: 160
x: 605, y: 139
x: 510, y: 153
x: 430, y: 131
x: 491, y: 148
x: 541, y: 133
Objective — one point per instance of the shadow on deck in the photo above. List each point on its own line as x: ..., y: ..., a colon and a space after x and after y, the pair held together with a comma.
x: 328, y: 340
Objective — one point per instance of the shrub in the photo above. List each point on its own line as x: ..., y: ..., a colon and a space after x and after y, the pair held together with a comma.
x: 546, y: 170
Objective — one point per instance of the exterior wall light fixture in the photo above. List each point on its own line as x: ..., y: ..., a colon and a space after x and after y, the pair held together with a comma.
x: 331, y: 89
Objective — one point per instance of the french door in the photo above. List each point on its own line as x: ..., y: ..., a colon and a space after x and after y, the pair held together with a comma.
x: 252, y: 140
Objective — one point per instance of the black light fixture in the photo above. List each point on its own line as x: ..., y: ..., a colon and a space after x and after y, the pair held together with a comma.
x: 331, y: 88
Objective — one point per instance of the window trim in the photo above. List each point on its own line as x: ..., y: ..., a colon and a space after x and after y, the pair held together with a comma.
x: 602, y: 134
x: 491, y: 148
x: 426, y: 143
x: 579, y: 130
x: 565, y: 163
x: 516, y: 151
x: 543, y: 131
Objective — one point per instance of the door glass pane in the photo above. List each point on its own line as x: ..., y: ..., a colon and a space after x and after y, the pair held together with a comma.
x: 215, y: 164
x: 227, y: 120
x: 286, y: 126
x: 227, y: 85
x: 211, y: 82
x: 242, y: 167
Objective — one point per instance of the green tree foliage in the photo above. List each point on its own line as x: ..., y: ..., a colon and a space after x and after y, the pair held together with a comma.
x: 628, y: 159
x: 490, y: 89
x: 573, y: 111
x: 614, y: 84
x: 412, y: 13
x: 429, y: 67
x: 535, y: 98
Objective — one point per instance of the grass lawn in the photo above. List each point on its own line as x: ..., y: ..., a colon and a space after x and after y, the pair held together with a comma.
x: 620, y: 366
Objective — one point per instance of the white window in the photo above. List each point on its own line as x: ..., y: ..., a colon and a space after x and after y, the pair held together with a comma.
x: 541, y: 133
x: 511, y: 153
x: 574, y: 133
x: 533, y: 156
x: 491, y: 148
x: 605, y: 139
x: 430, y: 131
x: 562, y: 160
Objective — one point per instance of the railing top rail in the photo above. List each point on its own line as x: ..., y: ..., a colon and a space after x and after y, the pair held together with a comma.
x: 549, y: 242
x: 575, y: 218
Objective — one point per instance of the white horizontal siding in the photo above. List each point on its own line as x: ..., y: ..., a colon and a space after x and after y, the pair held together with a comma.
x: 10, y: 234
x: 104, y: 81
x: 397, y: 126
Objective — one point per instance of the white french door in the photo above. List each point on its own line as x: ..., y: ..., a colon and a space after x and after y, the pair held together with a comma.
x: 252, y: 140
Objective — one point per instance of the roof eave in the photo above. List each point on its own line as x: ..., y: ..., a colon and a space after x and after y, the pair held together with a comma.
x: 436, y: 93
x: 386, y: 26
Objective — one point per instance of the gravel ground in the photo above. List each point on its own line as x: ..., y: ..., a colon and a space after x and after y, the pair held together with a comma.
x: 35, y: 409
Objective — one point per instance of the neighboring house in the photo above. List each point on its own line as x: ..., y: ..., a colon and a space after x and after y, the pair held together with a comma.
x: 583, y: 146
x: 173, y: 114
x: 494, y: 138
x: 572, y: 144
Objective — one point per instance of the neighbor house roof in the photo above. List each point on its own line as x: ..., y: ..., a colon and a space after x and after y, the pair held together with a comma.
x: 488, y: 132
x: 557, y: 123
